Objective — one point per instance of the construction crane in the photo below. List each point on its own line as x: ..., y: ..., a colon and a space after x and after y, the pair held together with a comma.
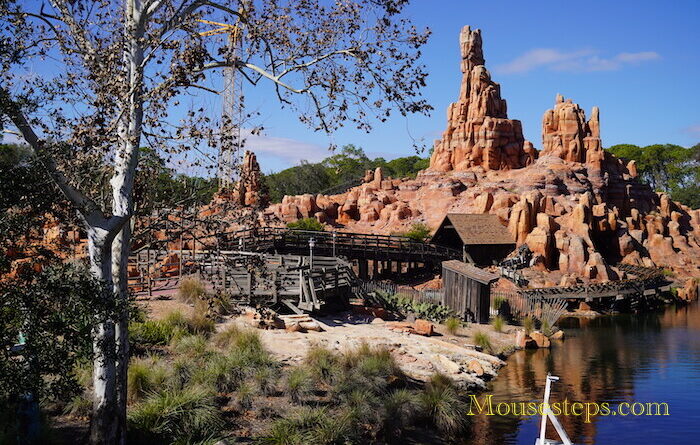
x: 232, y: 109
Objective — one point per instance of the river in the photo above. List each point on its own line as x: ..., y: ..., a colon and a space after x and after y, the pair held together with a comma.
x: 652, y: 357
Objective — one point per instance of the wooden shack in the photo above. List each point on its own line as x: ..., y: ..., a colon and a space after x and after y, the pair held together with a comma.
x: 483, y: 239
x: 467, y: 290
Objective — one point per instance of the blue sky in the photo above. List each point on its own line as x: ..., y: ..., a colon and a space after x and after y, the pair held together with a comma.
x: 637, y: 60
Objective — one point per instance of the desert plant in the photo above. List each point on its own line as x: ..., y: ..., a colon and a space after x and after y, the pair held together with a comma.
x: 444, y: 408
x: 440, y: 380
x: 528, y: 325
x: 299, y: 384
x: 310, y: 224
x: 452, y: 324
x: 283, y: 432
x: 498, y: 301
x: 191, y: 290
x: 482, y: 340
x: 497, y: 323
x: 182, y: 415
x: 200, y: 324
x: 145, y: 375
x: 220, y: 373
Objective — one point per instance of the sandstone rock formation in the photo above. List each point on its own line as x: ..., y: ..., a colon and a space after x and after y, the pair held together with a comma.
x: 567, y: 135
x: 248, y: 190
x: 479, y: 132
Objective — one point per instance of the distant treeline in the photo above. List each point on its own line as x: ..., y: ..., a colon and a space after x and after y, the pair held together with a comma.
x: 667, y: 168
x: 348, y: 164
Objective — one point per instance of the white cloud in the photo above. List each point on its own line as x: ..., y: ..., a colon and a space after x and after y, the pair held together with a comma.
x: 578, y: 60
x: 284, y: 150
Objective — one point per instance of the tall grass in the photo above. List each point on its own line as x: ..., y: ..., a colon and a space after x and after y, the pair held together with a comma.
x: 145, y: 375
x: 191, y: 290
x: 497, y: 323
x: 175, y: 415
x: 483, y: 340
x: 443, y: 406
x: 323, y: 363
x: 299, y: 384
x: 528, y: 325
x: 452, y: 324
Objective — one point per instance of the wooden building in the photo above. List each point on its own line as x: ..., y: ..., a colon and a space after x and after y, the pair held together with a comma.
x: 482, y: 238
x: 467, y: 290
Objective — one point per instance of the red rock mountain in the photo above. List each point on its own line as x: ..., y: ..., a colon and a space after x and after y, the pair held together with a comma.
x: 580, y: 209
x: 479, y: 132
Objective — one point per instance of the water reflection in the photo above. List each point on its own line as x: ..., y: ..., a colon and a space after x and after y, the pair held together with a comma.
x: 626, y: 358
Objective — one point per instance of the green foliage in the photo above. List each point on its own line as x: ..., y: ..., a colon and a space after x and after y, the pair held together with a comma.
x: 528, y: 325
x: 312, y: 425
x: 323, y: 363
x: 310, y: 224
x: 498, y: 302
x: 171, y: 415
x: 347, y: 164
x: 191, y: 345
x: 145, y: 375
x: 400, y: 407
x: 418, y: 232
x: 79, y: 406
x: 667, y: 168
x: 151, y: 333
x: 191, y: 290
x: 443, y: 406
x: 483, y: 340
x: 299, y: 384
x: 452, y: 324
x: 497, y: 323
x: 428, y: 311
x: 546, y: 328
x: 54, y: 311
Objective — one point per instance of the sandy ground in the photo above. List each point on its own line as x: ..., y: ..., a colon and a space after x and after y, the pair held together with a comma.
x: 418, y: 356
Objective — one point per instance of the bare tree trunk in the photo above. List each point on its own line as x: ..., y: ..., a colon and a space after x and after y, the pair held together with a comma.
x: 120, y: 258
x: 103, y: 425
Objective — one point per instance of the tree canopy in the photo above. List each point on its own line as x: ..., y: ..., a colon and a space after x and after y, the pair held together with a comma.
x: 667, y: 168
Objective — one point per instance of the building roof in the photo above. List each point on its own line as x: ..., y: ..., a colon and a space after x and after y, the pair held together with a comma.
x: 477, y: 228
x: 470, y: 271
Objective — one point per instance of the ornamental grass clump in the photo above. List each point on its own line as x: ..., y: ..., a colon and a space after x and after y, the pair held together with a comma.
x: 528, y: 325
x: 186, y: 415
x: 482, y: 340
x: 191, y: 290
x: 299, y: 384
x: 145, y: 375
x: 452, y: 324
x: 444, y: 408
x: 497, y: 323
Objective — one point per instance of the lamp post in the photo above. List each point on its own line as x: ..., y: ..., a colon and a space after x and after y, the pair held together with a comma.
x: 334, y: 236
x: 312, y: 243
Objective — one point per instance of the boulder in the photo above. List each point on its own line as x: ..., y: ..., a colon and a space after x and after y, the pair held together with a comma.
x: 540, y: 339
x: 475, y: 367
x: 423, y: 327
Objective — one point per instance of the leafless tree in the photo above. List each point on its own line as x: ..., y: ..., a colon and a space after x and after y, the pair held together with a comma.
x: 104, y: 78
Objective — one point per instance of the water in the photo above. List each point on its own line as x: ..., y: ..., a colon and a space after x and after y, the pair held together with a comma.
x: 625, y: 358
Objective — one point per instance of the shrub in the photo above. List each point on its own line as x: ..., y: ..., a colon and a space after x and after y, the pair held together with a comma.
x: 528, y: 325
x: 418, y: 232
x: 497, y: 323
x: 482, y: 339
x: 498, y: 302
x: 310, y: 224
x: 191, y: 290
x: 444, y: 408
x: 440, y: 380
x: 312, y: 425
x: 175, y: 415
x: 196, y: 324
x: 145, y: 375
x: 452, y: 324
x: 239, y: 338
x: 299, y: 384
x: 220, y: 373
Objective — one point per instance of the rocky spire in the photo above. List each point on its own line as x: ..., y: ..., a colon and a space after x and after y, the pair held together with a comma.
x: 248, y: 191
x: 567, y: 135
x: 479, y: 132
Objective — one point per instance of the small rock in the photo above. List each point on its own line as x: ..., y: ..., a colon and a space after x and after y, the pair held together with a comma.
x: 423, y: 327
x: 378, y: 321
x: 448, y: 365
x: 310, y: 326
x: 559, y: 335
x: 541, y: 339
x: 294, y: 327
x: 475, y: 367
